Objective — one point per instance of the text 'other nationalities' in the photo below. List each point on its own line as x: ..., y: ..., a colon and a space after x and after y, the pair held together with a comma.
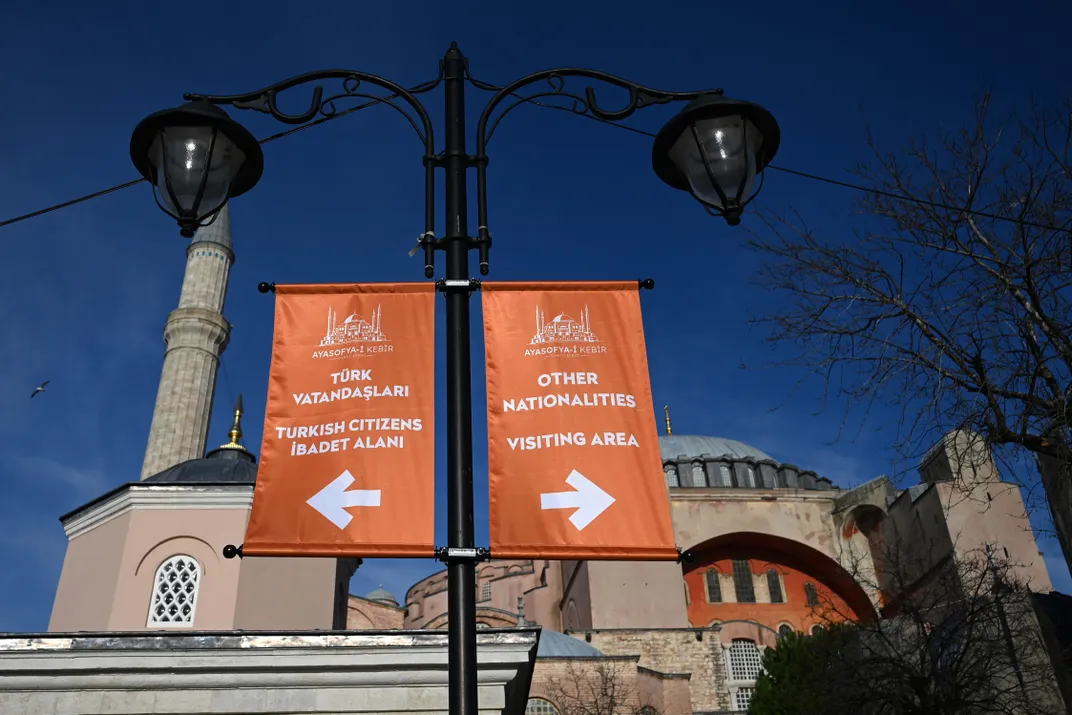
x: 588, y: 398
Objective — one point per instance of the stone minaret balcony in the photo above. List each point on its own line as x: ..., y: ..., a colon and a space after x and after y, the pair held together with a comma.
x: 196, y: 334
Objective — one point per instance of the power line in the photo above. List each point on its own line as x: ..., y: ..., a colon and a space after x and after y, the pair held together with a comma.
x: 105, y: 192
x: 626, y: 127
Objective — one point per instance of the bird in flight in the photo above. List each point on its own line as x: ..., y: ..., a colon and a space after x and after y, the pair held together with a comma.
x: 39, y: 388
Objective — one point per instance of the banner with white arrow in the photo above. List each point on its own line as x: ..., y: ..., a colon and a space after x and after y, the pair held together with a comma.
x: 569, y: 400
x: 347, y: 463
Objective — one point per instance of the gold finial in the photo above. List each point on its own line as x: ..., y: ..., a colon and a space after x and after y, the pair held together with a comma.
x: 669, y: 429
x: 236, y: 428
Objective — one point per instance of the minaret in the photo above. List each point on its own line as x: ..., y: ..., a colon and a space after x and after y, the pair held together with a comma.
x: 195, y: 336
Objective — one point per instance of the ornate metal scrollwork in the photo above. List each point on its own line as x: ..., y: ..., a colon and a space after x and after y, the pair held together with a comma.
x: 639, y: 97
x: 266, y: 100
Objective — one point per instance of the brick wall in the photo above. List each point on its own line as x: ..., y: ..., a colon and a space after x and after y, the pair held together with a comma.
x: 363, y: 614
x: 696, y: 651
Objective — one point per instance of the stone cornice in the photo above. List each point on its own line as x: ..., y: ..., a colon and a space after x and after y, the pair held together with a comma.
x: 231, y: 660
x: 737, y: 494
x: 156, y: 496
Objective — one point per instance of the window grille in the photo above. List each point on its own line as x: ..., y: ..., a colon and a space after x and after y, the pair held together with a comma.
x: 811, y: 596
x: 539, y: 706
x: 699, y: 477
x: 714, y: 588
x: 175, y: 592
x: 485, y: 591
x: 727, y: 478
x: 742, y: 582
x: 670, y: 471
x: 774, y: 585
x: 743, y: 698
x: 744, y: 660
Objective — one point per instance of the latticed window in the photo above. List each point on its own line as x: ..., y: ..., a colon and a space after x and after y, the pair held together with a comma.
x: 699, y: 476
x: 671, y: 476
x: 175, y: 592
x: 742, y: 581
x: 539, y: 706
x: 811, y: 596
x: 774, y: 585
x: 724, y: 472
x: 743, y: 698
x: 485, y: 591
x: 744, y: 660
x: 714, y: 588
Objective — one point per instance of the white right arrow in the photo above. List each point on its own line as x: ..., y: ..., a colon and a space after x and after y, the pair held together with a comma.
x: 333, y: 500
x: 589, y: 500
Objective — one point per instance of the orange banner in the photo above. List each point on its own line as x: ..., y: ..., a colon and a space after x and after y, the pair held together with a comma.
x: 347, y: 461
x: 574, y: 468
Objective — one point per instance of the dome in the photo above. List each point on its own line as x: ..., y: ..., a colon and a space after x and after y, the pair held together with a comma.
x: 211, y: 470
x: 383, y: 596
x: 355, y: 318
x: 559, y: 645
x: 673, y: 446
x: 563, y: 318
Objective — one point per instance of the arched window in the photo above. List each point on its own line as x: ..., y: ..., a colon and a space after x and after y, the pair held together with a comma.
x: 774, y: 585
x: 811, y: 596
x: 784, y: 630
x: 481, y: 624
x: 745, y: 662
x: 745, y: 665
x: 670, y: 471
x: 816, y: 630
x: 699, y: 476
x: 539, y: 706
x: 742, y: 581
x: 175, y: 587
x: 714, y: 588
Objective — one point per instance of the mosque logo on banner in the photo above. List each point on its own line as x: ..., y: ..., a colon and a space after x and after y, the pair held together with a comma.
x: 564, y: 336
x: 354, y: 336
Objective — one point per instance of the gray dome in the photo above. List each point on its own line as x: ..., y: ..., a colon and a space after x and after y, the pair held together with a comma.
x: 383, y: 596
x: 559, y: 645
x: 209, y: 470
x: 673, y: 446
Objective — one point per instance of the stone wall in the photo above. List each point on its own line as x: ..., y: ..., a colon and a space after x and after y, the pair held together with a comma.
x: 696, y: 651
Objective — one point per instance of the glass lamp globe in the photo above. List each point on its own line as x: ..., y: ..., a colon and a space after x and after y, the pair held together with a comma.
x: 196, y: 157
x: 714, y: 149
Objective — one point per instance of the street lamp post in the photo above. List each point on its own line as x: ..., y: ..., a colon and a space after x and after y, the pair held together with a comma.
x: 196, y: 158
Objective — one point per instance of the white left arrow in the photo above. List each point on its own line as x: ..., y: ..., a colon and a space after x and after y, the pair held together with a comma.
x: 589, y: 500
x: 333, y: 500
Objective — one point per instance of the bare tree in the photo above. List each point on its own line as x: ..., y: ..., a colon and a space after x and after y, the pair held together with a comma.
x: 953, y: 305
x: 958, y: 636
x: 596, y: 688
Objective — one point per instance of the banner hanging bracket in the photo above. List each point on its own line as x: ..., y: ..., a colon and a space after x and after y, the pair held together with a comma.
x: 264, y: 287
x: 462, y: 556
x: 644, y: 283
x: 445, y: 285
x: 230, y: 551
x: 685, y: 556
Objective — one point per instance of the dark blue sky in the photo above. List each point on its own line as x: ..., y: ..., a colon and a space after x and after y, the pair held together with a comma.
x: 84, y: 291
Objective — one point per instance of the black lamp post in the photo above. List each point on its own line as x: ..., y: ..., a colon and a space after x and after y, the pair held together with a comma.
x: 196, y: 157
